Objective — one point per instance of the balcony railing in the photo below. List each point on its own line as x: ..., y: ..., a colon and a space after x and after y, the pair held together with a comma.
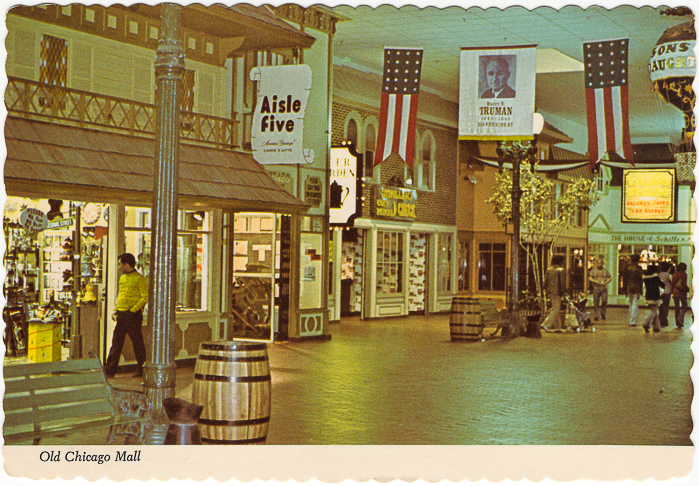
x: 31, y: 99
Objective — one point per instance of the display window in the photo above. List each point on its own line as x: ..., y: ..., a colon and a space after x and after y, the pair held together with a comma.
x: 649, y: 254
x: 192, y: 257
x: 389, y: 262
x: 491, y: 266
x: 311, y: 263
x: 53, y: 264
x: 444, y: 263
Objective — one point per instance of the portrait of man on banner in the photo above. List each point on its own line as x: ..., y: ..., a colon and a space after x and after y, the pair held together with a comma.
x: 497, y: 76
x: 496, y: 92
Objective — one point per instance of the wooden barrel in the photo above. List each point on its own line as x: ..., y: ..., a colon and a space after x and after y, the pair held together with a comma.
x: 465, y: 320
x: 233, y: 384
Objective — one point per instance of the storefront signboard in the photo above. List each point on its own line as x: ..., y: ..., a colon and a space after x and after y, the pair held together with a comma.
x: 345, y: 185
x: 648, y: 196
x: 496, y: 93
x: 314, y: 191
x: 277, y: 124
x: 394, y: 203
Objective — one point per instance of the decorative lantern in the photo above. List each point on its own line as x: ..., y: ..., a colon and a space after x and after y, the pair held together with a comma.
x: 672, y: 70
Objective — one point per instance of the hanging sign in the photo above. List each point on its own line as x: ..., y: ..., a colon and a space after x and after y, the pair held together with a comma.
x: 33, y: 220
x: 277, y: 124
x: 496, y: 93
x: 648, y: 196
x: 673, y: 60
x: 345, y: 185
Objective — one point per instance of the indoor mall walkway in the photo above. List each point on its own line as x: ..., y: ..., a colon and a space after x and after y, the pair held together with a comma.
x: 402, y: 381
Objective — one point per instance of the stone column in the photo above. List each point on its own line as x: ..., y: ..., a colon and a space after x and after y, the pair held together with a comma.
x: 159, y: 372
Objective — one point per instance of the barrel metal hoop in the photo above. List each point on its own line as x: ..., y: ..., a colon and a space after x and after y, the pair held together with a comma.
x: 241, y: 441
x: 261, y: 420
x: 233, y: 347
x: 228, y: 359
x: 232, y: 379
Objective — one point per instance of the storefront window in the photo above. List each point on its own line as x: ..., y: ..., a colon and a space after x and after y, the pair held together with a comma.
x: 444, y: 263
x: 464, y: 268
x: 192, y: 270
x: 389, y: 262
x: 491, y: 266
x: 648, y: 254
x: 311, y: 263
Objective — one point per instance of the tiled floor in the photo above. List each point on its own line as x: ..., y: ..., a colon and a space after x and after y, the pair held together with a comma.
x: 402, y: 381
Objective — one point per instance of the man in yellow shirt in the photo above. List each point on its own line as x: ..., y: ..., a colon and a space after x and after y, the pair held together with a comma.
x: 132, y: 297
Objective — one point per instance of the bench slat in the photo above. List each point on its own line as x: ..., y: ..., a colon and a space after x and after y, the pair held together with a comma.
x: 19, y: 435
x: 78, y: 412
x: 47, y: 382
x: 78, y: 393
x: 88, y: 364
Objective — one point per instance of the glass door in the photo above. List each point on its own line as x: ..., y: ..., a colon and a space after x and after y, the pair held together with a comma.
x: 252, y: 290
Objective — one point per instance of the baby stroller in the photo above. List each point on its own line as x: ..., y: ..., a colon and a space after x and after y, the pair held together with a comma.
x: 581, y: 317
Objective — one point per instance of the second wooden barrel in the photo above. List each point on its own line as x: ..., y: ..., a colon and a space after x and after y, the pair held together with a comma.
x: 233, y: 383
x: 465, y: 320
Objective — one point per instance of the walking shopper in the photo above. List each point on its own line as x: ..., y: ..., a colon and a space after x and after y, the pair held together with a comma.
x: 554, y: 285
x: 666, y: 279
x: 600, y: 277
x: 653, y: 285
x: 634, y: 287
x: 132, y: 297
x: 680, y: 289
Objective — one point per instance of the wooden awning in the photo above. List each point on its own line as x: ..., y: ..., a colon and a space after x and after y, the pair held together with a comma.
x: 59, y: 161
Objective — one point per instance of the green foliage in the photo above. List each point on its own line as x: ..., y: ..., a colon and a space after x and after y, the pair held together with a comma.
x: 543, y: 215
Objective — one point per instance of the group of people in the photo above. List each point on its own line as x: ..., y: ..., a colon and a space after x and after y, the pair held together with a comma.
x: 661, y: 284
x: 661, y: 281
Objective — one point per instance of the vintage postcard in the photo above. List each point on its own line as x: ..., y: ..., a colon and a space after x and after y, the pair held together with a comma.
x: 348, y: 242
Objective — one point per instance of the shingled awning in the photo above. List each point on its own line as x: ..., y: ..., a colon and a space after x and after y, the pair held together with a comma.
x: 59, y: 161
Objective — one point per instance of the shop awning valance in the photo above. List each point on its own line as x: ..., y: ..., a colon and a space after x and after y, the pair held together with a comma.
x: 51, y: 160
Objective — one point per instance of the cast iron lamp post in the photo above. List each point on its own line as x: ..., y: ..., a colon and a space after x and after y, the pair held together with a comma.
x: 515, y: 153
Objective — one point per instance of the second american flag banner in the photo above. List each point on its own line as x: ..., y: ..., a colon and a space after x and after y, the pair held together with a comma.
x: 399, y: 96
x: 607, y: 99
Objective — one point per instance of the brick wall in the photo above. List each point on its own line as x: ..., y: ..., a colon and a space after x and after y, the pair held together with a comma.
x: 434, y: 207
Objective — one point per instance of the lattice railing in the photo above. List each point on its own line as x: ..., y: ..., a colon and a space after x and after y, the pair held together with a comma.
x: 33, y: 99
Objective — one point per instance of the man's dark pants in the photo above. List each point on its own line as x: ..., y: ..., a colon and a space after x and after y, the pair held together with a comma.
x: 127, y: 323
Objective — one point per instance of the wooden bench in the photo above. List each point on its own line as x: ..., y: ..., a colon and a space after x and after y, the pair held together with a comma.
x: 491, y: 315
x: 53, y: 399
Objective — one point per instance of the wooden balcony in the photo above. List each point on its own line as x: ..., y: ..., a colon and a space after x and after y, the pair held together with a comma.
x: 34, y: 100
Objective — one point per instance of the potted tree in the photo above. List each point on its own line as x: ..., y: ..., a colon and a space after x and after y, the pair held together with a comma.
x: 530, y: 308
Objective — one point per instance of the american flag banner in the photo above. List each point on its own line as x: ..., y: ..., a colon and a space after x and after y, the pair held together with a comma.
x: 399, y: 96
x: 607, y: 95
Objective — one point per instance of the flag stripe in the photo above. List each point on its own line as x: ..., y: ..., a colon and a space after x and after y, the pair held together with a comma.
x: 405, y: 117
x: 626, y: 145
x: 412, y: 121
x: 618, y: 120
x: 608, y: 120
x: 397, y: 122
x: 381, y: 136
x: 601, y: 126
x: 591, y: 127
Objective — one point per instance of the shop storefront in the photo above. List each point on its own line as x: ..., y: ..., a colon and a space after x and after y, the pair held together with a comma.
x: 78, y: 198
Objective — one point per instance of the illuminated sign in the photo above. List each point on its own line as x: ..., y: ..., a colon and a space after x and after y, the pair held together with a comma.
x: 648, y: 196
x: 394, y: 203
x: 345, y: 185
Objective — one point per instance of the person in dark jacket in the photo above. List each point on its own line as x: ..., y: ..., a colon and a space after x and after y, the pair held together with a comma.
x: 666, y: 279
x: 653, y: 285
x: 680, y: 289
x: 554, y: 285
x: 634, y: 287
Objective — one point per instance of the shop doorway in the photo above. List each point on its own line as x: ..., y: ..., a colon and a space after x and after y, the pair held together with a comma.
x: 352, y: 272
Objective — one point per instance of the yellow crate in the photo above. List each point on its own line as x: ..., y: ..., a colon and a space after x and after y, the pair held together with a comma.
x: 45, y: 354
x: 44, y: 343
